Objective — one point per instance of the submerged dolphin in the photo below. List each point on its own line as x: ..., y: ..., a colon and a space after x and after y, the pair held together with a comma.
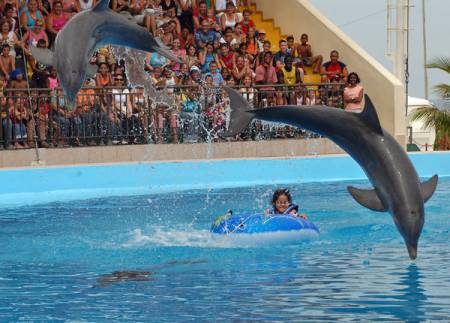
x: 397, y: 188
x: 86, y: 32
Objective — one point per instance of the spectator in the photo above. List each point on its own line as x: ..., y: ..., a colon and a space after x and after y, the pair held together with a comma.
x: 33, y: 35
x: 56, y: 20
x: 154, y: 60
x: 260, y: 57
x: 179, y: 52
x: 41, y: 109
x: 7, y: 62
x: 192, y: 56
x: 121, y: 110
x: 183, y: 74
x: 228, y: 38
x: 335, y: 94
x: 241, y: 69
x: 221, y: 5
x: 278, y: 59
x: 196, y: 76
x: 288, y: 74
x: 71, y: 6
x: 103, y: 77
x: 30, y: 15
x: 86, y: 4
x: 353, y: 93
x: 20, y: 121
x: 230, y: 18
x: 200, y: 14
x: 207, y: 55
x: 334, y: 69
x: 310, y: 97
x: 52, y: 79
x: 17, y: 80
x: 40, y: 71
x: 247, y: 22
x: 185, y: 16
x: 252, y: 47
x: 8, y: 36
x: 304, y: 52
x: 6, y: 127
x: 186, y: 38
x: 205, y: 35
x: 10, y: 14
x: 226, y: 57
x: 215, y: 73
x: 266, y: 75
x: 247, y: 90
x: 261, y: 40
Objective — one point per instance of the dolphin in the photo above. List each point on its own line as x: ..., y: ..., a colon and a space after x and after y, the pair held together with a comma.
x: 83, y: 34
x: 397, y: 188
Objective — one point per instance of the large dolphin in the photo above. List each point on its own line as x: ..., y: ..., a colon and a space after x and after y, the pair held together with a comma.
x: 86, y: 32
x: 397, y: 188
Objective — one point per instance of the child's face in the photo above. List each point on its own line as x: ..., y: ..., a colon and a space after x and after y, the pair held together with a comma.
x: 282, y: 203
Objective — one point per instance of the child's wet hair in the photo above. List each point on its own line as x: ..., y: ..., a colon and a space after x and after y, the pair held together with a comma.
x: 279, y: 192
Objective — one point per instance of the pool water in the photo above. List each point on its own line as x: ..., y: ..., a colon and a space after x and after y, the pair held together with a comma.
x: 57, y: 261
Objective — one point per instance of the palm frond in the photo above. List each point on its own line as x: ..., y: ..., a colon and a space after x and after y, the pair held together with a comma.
x: 442, y: 63
x: 433, y: 117
x: 443, y: 90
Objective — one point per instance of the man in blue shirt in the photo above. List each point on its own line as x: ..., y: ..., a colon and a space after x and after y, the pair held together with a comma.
x: 205, y: 35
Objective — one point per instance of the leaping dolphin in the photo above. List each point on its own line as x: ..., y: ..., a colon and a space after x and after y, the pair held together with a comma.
x: 86, y: 32
x: 397, y: 188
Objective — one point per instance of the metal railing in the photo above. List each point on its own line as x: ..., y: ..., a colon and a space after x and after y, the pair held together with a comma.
x: 110, y: 116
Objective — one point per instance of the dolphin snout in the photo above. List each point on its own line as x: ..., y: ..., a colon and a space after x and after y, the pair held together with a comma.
x: 412, y: 250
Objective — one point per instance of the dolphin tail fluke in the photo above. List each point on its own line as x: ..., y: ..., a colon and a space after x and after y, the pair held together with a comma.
x: 428, y: 188
x: 240, y: 116
x: 367, y: 198
x: 412, y: 250
x: 43, y: 55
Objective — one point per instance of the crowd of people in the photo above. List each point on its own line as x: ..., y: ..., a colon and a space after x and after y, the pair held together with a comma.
x: 217, y: 43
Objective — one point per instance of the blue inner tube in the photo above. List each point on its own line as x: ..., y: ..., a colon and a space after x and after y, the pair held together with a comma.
x: 260, y: 223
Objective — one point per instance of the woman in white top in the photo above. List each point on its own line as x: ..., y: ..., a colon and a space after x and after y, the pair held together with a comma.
x: 230, y: 18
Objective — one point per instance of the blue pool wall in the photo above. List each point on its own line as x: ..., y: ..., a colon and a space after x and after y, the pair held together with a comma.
x: 50, y: 184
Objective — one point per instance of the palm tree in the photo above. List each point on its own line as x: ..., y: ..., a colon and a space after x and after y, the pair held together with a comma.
x: 434, y: 117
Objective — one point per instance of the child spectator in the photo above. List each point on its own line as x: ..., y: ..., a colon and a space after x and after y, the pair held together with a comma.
x: 7, y: 62
x: 304, y: 52
x: 52, y: 79
x: 226, y: 57
x: 261, y: 40
x: 207, y: 55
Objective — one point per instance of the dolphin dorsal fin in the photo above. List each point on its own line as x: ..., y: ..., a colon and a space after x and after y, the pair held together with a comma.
x: 101, y: 5
x: 367, y: 198
x: 428, y: 188
x: 370, y: 116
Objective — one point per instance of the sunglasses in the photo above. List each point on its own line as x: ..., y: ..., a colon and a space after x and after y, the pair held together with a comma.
x: 119, y: 79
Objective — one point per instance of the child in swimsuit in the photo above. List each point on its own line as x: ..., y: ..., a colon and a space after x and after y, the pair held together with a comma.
x: 282, y: 204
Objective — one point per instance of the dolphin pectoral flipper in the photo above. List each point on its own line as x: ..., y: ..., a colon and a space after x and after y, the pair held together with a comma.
x: 241, y: 115
x: 43, y: 55
x: 367, y: 198
x: 428, y: 188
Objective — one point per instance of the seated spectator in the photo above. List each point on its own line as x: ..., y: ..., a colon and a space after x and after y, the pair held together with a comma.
x: 10, y: 15
x: 192, y: 56
x: 278, y: 59
x: 239, y: 35
x: 86, y: 4
x: 8, y: 36
x: 353, y: 93
x: 291, y: 46
x: 304, y: 52
x: 200, y: 14
x: 217, y: 78
x: 260, y: 57
x: 252, y: 46
x: 179, y: 52
x: 30, y: 15
x: 186, y: 38
x: 7, y: 62
x: 247, y: 90
x: 206, y: 56
x: 205, y: 35
x: 169, y: 7
x: 221, y: 5
x: 103, y: 77
x: 261, y: 40
x: 153, y: 60
x: 196, y: 76
x: 335, y: 97
x: 226, y: 57
x: 230, y: 18
x: 288, y: 74
x: 40, y: 71
x: 70, y: 6
x: 247, y: 21
x: 241, y: 69
x: 56, y: 20
x: 33, y: 35
x: 17, y: 80
x: 334, y: 69
x: 228, y: 38
x: 183, y: 74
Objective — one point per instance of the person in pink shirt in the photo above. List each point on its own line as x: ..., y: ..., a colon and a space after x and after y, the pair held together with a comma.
x: 353, y: 93
x: 266, y: 74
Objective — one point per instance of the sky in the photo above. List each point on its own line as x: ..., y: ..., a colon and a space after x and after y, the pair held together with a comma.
x: 365, y: 21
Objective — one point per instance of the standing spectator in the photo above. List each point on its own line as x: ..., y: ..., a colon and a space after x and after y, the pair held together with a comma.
x: 304, y: 52
x: 40, y: 71
x: 334, y: 69
x: 353, y: 93
x: 252, y: 47
x: 278, y: 59
x: 185, y: 16
x: 6, y: 128
x: 122, y: 110
x: 7, y: 62
x: 230, y: 18
x: 266, y: 75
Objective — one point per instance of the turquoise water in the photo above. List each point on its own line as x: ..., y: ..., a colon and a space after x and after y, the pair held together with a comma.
x: 57, y: 260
